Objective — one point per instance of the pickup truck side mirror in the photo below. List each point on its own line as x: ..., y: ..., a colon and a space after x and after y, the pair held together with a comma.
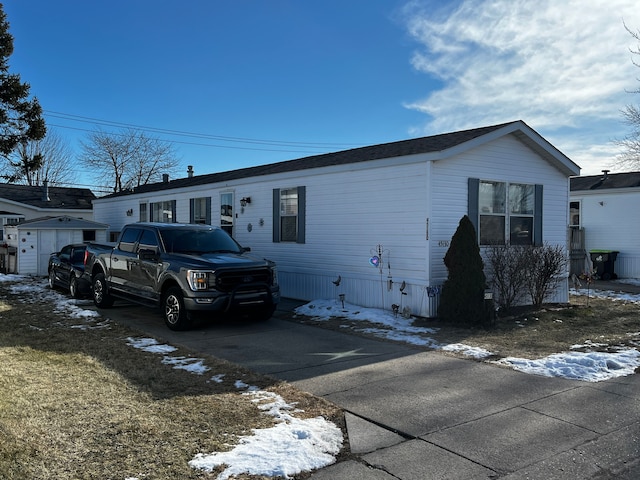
x: 246, y: 249
x: 147, y: 254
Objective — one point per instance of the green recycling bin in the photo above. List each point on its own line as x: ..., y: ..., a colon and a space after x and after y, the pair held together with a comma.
x: 604, y: 263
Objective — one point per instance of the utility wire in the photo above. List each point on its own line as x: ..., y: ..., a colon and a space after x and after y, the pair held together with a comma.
x: 180, y: 133
x: 235, y: 147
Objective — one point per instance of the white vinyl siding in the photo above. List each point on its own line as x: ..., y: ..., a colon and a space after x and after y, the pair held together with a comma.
x: 610, y: 221
x: 409, y: 206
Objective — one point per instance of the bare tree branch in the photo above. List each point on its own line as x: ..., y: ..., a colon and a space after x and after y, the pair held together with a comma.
x: 55, y: 164
x: 629, y: 158
x: 129, y: 158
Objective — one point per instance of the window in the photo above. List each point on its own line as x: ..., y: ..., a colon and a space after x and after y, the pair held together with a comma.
x: 574, y: 214
x: 226, y: 212
x: 144, y: 216
x: 200, y: 210
x: 521, y: 207
x: 148, y: 241
x: 506, y: 212
x: 289, y: 206
x: 164, y: 212
x: 88, y: 235
x: 128, y: 240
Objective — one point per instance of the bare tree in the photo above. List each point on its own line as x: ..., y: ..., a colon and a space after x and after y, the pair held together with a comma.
x: 129, y: 158
x: 630, y: 156
x: 56, y: 165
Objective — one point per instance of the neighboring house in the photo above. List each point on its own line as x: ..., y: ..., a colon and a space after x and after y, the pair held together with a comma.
x: 379, y: 217
x: 36, y: 239
x: 25, y: 202
x: 605, y: 209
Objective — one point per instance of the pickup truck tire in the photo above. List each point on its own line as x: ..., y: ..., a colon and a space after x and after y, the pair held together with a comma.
x: 176, y: 316
x: 101, y: 297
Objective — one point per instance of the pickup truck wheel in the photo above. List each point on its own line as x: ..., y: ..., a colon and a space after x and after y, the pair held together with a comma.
x: 73, y: 287
x: 176, y: 316
x: 101, y: 297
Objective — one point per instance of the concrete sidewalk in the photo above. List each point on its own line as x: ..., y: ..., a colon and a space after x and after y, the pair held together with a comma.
x: 615, y: 286
x: 432, y: 416
x: 416, y: 414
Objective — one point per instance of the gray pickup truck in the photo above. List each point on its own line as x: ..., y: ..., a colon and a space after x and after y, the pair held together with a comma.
x: 184, y: 269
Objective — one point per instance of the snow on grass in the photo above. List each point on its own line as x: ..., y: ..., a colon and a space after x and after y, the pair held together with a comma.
x: 590, y: 366
x: 290, y: 447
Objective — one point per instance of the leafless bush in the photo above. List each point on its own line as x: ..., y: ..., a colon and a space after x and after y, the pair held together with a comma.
x: 546, y: 263
x: 507, y: 274
x: 520, y: 270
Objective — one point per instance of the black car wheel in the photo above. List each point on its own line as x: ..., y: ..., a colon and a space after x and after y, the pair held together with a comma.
x: 101, y: 297
x: 52, y: 279
x: 176, y: 316
x: 73, y: 287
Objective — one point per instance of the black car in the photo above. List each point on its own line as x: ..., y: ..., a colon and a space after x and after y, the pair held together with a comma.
x: 66, y: 270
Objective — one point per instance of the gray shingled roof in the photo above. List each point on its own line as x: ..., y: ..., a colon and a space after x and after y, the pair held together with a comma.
x: 59, y: 197
x: 604, y: 182
x: 435, y: 143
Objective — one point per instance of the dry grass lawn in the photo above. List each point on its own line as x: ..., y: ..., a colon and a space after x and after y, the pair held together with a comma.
x: 79, y: 403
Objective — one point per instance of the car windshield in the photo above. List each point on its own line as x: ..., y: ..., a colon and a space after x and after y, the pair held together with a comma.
x: 198, y: 242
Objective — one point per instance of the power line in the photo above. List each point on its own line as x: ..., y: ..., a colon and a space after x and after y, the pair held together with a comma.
x: 179, y: 133
x: 193, y: 143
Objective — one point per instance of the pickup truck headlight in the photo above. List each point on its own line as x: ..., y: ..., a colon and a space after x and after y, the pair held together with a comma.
x: 274, y: 273
x: 199, y: 280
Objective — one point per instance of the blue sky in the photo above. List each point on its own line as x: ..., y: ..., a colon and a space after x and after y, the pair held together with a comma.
x: 241, y: 83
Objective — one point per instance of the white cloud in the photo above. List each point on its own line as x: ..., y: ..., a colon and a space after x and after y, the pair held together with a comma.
x: 562, y: 67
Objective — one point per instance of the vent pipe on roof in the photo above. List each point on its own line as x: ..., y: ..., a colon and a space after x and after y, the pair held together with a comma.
x: 190, y: 171
x: 45, y: 191
x: 165, y: 178
x: 606, y: 174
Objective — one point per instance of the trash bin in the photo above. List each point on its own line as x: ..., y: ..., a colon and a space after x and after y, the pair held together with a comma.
x: 603, y: 263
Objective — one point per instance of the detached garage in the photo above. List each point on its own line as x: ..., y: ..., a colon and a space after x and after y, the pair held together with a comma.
x: 38, y: 238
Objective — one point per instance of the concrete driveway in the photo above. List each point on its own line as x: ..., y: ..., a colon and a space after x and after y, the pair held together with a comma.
x: 418, y: 414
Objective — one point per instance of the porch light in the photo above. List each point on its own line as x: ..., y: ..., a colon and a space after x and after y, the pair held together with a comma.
x: 244, y: 201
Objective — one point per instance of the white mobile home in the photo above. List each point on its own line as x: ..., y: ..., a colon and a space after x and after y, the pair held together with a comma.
x: 378, y: 218
x: 605, y: 208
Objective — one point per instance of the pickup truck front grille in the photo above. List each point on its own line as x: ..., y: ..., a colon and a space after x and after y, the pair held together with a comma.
x: 227, y: 281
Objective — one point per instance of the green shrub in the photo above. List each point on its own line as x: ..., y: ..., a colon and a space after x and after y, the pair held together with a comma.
x: 462, y: 298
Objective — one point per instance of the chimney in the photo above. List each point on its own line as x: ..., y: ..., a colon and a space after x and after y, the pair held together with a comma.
x: 165, y: 178
x: 45, y: 191
x: 606, y: 174
x: 190, y: 171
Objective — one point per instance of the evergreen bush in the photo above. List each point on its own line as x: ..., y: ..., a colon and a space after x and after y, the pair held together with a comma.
x: 462, y: 298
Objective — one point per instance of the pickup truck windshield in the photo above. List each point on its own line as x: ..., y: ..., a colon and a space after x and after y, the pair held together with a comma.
x: 198, y: 242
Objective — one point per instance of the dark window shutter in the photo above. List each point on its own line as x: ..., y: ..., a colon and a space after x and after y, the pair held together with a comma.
x: 276, y: 215
x: 537, y: 218
x: 208, y: 207
x: 472, y: 203
x: 173, y: 212
x: 302, y: 203
x: 192, y: 207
